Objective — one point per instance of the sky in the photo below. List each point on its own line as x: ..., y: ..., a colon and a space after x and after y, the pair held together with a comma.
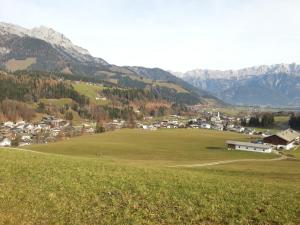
x: 177, y: 35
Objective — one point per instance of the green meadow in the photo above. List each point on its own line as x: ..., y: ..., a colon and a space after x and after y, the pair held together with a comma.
x: 123, y: 177
x: 164, y: 147
x: 91, y: 91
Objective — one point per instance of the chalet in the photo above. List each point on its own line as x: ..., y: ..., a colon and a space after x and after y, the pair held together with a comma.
x: 5, y: 142
x: 247, y: 146
x: 286, y: 139
x: 9, y: 124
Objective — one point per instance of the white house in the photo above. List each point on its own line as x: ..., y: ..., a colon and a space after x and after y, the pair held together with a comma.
x: 247, y: 146
x: 25, y: 137
x: 5, y: 142
x: 9, y: 124
x: 206, y: 126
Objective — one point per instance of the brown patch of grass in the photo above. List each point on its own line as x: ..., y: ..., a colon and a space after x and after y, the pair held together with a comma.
x: 15, y: 64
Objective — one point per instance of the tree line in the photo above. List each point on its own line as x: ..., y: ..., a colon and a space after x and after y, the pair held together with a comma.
x: 259, y: 120
x: 32, y: 88
x: 13, y: 110
x: 294, y: 122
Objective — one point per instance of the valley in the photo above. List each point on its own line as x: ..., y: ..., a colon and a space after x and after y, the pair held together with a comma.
x: 85, y: 141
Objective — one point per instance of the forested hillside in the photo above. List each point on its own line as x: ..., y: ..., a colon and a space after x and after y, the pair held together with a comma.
x: 30, y: 88
x: 23, y: 94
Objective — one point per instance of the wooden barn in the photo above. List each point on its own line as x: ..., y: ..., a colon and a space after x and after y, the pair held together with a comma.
x: 286, y: 139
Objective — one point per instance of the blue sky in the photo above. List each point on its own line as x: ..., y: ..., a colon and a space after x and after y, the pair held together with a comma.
x: 177, y: 35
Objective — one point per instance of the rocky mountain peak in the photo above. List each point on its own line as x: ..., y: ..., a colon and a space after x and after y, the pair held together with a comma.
x: 47, y: 34
x: 276, y: 85
x: 55, y: 38
x: 6, y: 28
x: 292, y: 69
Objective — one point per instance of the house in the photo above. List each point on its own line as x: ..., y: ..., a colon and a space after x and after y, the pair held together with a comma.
x: 25, y: 137
x: 9, y: 124
x: 218, y: 127
x: 248, y: 146
x: 23, y: 144
x: 150, y: 127
x: 206, y: 126
x: 29, y: 128
x: 58, y: 122
x: 5, y: 142
x: 283, y: 140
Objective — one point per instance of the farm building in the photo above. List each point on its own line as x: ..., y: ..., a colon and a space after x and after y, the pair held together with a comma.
x: 5, y: 142
x: 286, y: 139
x: 247, y: 146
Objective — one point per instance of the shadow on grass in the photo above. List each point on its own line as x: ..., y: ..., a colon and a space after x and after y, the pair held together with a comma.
x: 214, y: 148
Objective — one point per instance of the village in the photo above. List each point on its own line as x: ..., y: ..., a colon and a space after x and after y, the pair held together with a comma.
x: 204, y: 120
x: 265, y: 142
x: 51, y: 129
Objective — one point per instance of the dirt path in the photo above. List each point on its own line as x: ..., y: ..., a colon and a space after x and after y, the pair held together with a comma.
x: 22, y: 149
x: 282, y: 157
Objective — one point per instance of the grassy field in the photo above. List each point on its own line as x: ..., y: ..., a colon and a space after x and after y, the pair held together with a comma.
x: 91, y: 91
x: 171, y: 85
x: 122, y: 177
x: 281, y: 122
x: 294, y: 153
x: 57, y: 102
x: 162, y: 147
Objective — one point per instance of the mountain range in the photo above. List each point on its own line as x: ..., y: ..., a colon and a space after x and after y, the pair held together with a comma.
x: 274, y: 85
x: 44, y: 49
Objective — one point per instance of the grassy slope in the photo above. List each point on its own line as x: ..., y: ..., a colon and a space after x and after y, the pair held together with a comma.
x: 295, y: 153
x: 83, y: 187
x: 57, y: 102
x: 91, y: 91
x: 162, y: 147
x: 172, y: 85
x: 51, y: 189
x: 23, y: 64
x: 77, y: 120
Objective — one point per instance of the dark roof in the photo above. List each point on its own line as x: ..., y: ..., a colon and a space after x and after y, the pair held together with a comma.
x: 288, y: 135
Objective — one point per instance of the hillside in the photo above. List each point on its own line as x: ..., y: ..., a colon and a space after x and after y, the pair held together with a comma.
x: 44, y: 49
x: 108, y: 179
x: 87, y: 97
x: 275, y: 85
